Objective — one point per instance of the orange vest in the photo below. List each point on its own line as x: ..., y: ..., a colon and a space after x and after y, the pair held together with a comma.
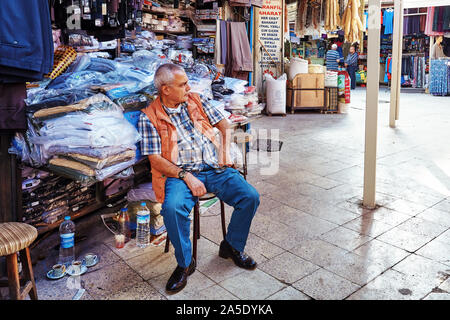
x: 168, y: 134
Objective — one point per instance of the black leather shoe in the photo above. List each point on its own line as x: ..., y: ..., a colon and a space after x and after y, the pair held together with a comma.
x: 178, y: 279
x: 240, y: 258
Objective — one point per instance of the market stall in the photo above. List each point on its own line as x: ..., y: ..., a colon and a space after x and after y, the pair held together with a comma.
x: 79, y: 150
x: 314, y: 26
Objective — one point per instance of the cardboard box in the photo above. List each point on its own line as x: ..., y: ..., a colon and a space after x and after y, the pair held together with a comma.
x: 306, y: 98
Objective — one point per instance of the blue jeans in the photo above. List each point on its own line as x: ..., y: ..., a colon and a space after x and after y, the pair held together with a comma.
x: 352, y: 73
x: 230, y: 187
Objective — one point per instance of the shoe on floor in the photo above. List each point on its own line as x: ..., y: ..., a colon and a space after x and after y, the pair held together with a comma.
x: 178, y: 279
x: 240, y: 258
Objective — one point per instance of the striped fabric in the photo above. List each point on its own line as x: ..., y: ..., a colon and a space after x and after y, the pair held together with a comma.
x: 63, y: 58
x: 352, y: 59
x: 15, y: 236
x: 331, y: 57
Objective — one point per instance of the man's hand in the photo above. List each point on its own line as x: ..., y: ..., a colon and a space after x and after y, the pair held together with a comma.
x: 225, y: 161
x: 196, y: 186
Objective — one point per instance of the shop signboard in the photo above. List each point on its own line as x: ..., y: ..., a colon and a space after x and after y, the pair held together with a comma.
x: 269, y: 41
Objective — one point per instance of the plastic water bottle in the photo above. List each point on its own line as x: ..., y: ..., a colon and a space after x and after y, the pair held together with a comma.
x: 143, y: 226
x: 67, y: 245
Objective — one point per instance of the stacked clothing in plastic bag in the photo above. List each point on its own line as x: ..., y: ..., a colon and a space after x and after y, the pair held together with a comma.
x: 87, y: 141
x: 144, y: 193
x: 47, y: 198
x: 243, y: 102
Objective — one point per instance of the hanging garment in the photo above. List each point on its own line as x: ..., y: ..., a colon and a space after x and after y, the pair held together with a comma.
x: 217, y: 44
x: 12, y: 106
x: 446, y: 46
x: 446, y: 19
x: 26, y: 48
x: 223, y: 41
x: 388, y: 21
x: 439, y: 77
x: 429, y: 23
x: 423, y: 22
x: 388, y: 70
x: 240, y: 52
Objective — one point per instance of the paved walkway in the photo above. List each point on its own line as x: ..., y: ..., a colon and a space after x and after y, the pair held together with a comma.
x: 310, y: 236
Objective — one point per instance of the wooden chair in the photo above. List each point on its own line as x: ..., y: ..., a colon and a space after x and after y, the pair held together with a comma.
x: 240, y: 138
x: 16, y: 237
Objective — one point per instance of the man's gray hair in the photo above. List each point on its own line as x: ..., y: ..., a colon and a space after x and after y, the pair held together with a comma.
x: 165, y: 74
x: 334, y: 46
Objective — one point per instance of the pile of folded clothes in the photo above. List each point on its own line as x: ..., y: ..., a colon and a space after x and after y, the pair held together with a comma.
x: 47, y: 198
x: 87, y: 141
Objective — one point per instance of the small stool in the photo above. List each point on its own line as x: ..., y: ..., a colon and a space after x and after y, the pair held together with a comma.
x: 196, y: 227
x: 16, y: 237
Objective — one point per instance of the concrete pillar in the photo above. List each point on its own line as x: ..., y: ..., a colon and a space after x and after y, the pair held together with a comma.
x: 373, y: 76
x: 397, y: 48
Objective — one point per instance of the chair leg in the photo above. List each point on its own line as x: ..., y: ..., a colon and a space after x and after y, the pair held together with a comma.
x: 28, y: 272
x: 222, y: 218
x: 13, y: 276
x: 196, y: 235
x: 244, y: 154
x: 166, y: 249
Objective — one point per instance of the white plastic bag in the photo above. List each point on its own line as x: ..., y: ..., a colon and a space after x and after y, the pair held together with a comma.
x: 297, y: 66
x: 331, y: 79
x: 276, y: 94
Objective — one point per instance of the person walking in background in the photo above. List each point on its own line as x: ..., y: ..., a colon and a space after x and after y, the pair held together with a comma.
x: 351, y: 63
x: 333, y: 58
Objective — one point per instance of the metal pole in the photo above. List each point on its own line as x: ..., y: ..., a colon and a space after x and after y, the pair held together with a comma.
x: 396, y: 62
x: 373, y: 75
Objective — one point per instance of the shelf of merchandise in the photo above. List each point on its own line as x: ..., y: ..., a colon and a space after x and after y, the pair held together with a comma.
x: 101, y: 201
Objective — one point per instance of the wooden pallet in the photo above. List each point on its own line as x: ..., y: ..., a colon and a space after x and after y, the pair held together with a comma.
x: 329, y: 111
x: 276, y: 114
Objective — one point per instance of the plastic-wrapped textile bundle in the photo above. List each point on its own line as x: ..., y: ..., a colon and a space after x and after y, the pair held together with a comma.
x: 133, y: 102
x: 98, y: 123
x: 98, y: 153
x: 148, y: 60
x: 150, y: 92
x: 237, y: 85
x: 73, y: 80
x: 97, y: 163
x: 54, y: 98
x: 143, y: 192
x: 92, y: 106
x: 83, y: 174
x: 115, y: 186
x: 47, y: 197
x: 201, y: 86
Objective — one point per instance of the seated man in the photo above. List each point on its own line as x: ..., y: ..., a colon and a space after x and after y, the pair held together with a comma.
x: 186, y: 162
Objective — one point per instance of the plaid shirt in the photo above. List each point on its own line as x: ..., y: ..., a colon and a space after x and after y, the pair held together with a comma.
x: 352, y: 59
x: 194, y: 149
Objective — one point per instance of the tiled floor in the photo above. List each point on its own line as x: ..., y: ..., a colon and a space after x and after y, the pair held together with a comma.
x: 310, y: 236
